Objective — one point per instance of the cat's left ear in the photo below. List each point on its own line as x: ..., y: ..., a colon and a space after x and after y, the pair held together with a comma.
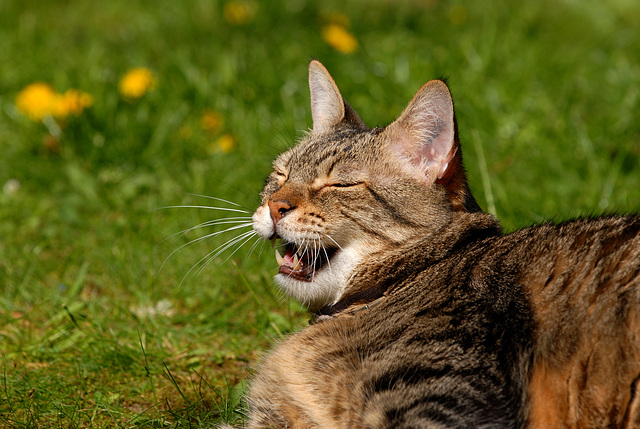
x: 424, y: 136
x: 328, y: 108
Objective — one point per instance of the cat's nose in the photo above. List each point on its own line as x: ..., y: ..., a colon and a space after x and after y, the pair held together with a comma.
x: 279, y: 209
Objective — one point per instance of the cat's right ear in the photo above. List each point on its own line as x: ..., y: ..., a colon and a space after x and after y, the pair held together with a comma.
x: 424, y: 136
x: 328, y: 108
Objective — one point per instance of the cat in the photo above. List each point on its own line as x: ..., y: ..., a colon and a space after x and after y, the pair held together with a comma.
x: 424, y: 314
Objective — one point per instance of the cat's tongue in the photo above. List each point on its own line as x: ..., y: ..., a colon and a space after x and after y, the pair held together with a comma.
x: 289, y: 260
x: 303, y: 267
x: 292, y: 265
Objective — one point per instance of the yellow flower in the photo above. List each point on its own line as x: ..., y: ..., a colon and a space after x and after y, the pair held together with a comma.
x: 226, y: 143
x: 339, y: 38
x: 211, y: 121
x: 39, y: 100
x: 239, y: 12
x: 72, y: 102
x: 36, y: 100
x: 136, y: 83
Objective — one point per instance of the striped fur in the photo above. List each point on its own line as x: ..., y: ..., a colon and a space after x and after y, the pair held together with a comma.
x: 427, y: 316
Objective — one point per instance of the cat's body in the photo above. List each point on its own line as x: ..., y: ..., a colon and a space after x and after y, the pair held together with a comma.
x: 427, y: 316
x: 445, y: 344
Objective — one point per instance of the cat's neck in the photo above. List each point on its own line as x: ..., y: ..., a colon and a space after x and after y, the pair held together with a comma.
x: 359, y: 300
x: 385, y: 270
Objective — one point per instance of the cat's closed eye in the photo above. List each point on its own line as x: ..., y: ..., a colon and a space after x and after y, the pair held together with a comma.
x: 280, y: 176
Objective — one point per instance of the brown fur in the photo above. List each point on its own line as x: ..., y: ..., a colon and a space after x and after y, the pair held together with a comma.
x: 586, y: 300
x: 426, y: 315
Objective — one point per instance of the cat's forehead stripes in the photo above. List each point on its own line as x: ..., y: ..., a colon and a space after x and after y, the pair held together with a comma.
x: 320, y: 155
x: 340, y: 142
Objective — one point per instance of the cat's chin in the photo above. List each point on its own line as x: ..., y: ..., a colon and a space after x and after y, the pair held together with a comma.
x: 318, y: 286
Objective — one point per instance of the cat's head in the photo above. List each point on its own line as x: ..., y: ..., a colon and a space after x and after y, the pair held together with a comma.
x: 347, y: 193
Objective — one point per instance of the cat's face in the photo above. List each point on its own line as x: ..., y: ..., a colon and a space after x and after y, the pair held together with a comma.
x: 346, y: 193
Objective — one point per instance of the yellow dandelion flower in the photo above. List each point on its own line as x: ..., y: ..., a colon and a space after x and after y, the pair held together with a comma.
x: 211, y: 121
x: 136, y: 83
x: 239, y: 12
x: 226, y: 143
x: 72, y: 102
x: 339, y: 38
x: 36, y: 100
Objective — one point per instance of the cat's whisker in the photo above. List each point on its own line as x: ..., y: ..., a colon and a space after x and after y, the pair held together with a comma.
x: 302, y: 249
x: 312, y: 254
x: 249, y: 235
x: 305, y: 248
x: 315, y: 260
x: 253, y: 247
x: 204, y: 261
x: 223, y: 221
x: 224, y: 209
x: 214, y: 234
x: 217, y: 199
x: 316, y: 253
x: 334, y: 241
x: 328, y: 259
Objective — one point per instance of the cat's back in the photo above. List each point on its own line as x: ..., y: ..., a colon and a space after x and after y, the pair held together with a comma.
x: 583, y: 280
x: 578, y: 271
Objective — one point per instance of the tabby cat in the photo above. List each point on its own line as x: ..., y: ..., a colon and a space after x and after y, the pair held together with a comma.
x: 425, y: 315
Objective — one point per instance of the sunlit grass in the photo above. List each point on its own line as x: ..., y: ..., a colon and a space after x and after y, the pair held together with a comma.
x: 100, y: 324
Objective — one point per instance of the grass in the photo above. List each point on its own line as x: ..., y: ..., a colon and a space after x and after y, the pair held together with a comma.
x: 95, y: 331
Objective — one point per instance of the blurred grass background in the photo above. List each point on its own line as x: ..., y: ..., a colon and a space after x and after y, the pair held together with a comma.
x: 93, y: 333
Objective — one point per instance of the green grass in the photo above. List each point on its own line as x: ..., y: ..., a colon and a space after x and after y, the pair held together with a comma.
x: 96, y: 332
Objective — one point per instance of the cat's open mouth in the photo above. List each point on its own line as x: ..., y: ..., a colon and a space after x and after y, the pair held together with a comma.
x: 302, y: 264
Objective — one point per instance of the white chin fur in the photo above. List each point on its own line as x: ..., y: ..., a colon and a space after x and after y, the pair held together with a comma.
x: 328, y: 284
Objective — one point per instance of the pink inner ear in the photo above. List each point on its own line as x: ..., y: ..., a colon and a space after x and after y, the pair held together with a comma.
x: 445, y: 165
x: 424, y: 133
